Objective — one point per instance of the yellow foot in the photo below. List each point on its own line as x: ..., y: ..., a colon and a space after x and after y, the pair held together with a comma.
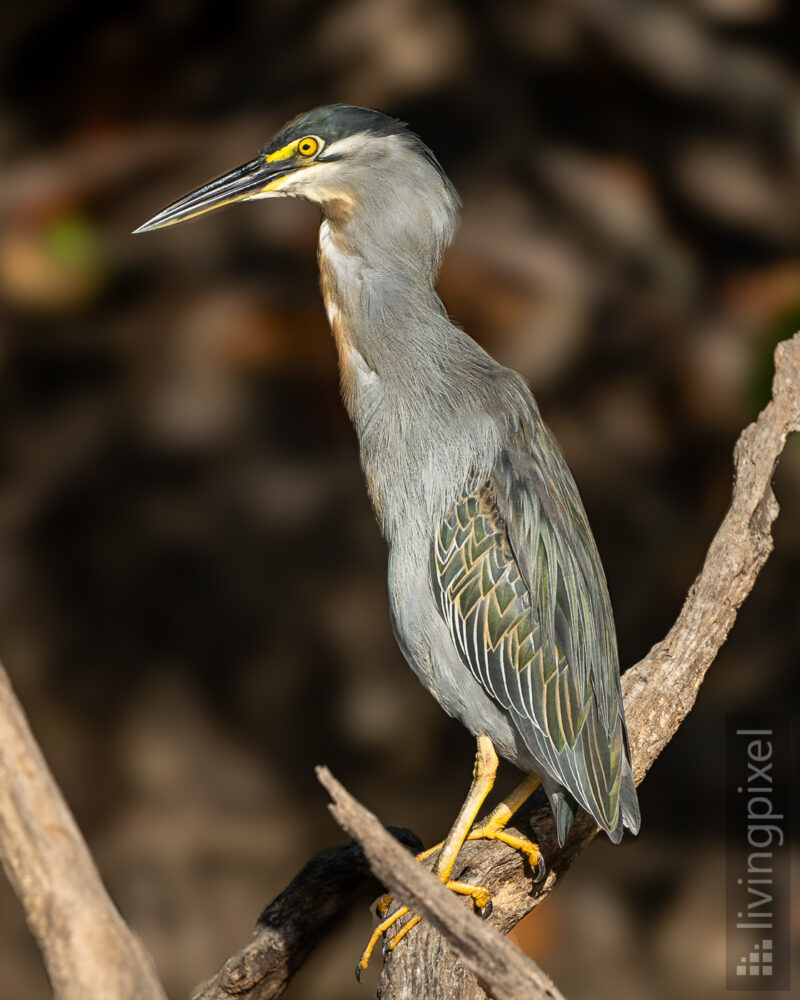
x: 522, y: 844
x: 480, y: 895
x: 492, y: 828
x: 384, y: 902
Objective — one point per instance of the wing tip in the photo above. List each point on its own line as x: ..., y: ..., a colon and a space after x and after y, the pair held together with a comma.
x: 629, y: 801
x: 630, y: 817
x: 565, y: 805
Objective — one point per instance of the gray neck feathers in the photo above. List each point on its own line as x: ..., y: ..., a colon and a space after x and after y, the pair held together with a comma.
x: 379, y: 261
x: 413, y: 383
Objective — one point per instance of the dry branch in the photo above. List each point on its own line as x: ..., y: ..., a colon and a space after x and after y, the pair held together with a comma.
x: 502, y: 966
x: 87, y: 947
x: 294, y: 922
x: 659, y: 692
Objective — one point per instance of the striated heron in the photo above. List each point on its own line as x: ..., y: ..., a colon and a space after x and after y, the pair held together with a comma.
x: 498, y: 598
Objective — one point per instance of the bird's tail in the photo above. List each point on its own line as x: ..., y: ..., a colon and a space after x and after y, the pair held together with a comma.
x: 628, y: 801
x: 629, y: 816
x: 565, y: 805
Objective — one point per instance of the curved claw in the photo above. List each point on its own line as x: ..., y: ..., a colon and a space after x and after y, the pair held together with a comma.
x: 528, y: 848
x: 480, y: 894
x: 377, y: 933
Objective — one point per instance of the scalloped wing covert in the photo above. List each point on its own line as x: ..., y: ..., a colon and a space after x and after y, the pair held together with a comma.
x: 519, y: 583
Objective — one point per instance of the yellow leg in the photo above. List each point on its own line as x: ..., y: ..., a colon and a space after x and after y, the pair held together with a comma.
x: 377, y: 934
x: 481, y: 896
x: 482, y: 781
x: 384, y: 902
x: 391, y: 945
x: 424, y: 855
x: 500, y: 816
x: 493, y: 827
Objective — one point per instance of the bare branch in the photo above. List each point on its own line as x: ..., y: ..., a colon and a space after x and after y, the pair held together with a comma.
x: 293, y: 923
x: 507, y: 972
x: 661, y: 689
x: 87, y: 947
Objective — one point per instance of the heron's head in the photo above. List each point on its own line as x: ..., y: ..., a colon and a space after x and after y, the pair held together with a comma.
x: 350, y: 160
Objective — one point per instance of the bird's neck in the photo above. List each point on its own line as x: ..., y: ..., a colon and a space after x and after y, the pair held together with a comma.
x: 411, y: 381
x: 384, y: 313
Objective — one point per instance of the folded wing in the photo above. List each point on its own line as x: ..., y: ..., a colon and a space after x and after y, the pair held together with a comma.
x: 519, y: 582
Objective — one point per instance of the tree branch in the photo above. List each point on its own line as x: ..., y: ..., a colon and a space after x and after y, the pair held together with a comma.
x: 509, y: 974
x: 659, y: 692
x: 294, y: 922
x: 87, y: 947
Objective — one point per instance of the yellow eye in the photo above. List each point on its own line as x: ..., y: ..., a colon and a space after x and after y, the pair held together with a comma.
x: 307, y: 146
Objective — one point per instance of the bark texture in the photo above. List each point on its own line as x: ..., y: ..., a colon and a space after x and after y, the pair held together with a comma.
x: 294, y: 922
x: 87, y: 947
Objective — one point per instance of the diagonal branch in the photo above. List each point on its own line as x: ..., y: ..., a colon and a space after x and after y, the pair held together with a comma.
x: 88, y: 949
x: 507, y: 972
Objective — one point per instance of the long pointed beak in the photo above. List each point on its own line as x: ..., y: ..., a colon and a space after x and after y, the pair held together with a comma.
x: 255, y: 177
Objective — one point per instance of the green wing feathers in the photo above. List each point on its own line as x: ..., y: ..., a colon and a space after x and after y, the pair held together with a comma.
x: 529, y: 614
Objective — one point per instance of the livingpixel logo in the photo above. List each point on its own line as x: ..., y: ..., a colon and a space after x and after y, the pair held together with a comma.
x: 757, y: 852
x: 759, y: 961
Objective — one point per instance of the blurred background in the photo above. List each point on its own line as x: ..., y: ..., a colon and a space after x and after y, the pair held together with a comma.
x: 192, y: 603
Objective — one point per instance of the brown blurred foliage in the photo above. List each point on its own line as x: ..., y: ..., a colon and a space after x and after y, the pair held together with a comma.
x: 191, y: 583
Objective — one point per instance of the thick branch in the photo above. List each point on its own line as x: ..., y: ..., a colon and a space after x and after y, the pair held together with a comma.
x: 87, y: 947
x: 661, y: 689
x: 502, y: 966
x: 294, y: 921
